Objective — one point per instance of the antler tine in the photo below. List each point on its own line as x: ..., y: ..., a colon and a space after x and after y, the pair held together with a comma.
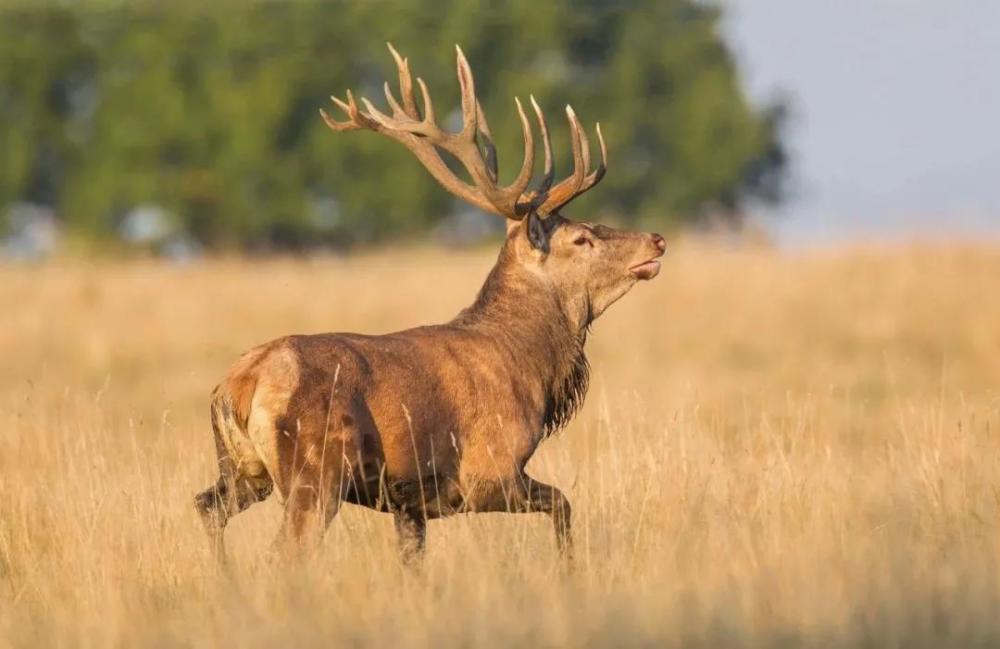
x: 335, y: 125
x: 405, y: 83
x: 350, y: 109
x: 397, y: 110
x: 474, y: 121
x: 514, y: 191
x: 595, y: 176
x: 585, y: 144
x: 580, y: 181
x: 601, y: 168
x: 492, y: 163
x: 469, y: 103
x: 428, y: 105
x: 404, y: 124
x: 581, y: 150
x: 536, y: 197
x: 549, y: 172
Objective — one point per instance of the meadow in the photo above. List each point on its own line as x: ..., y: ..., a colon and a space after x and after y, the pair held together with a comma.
x: 779, y: 448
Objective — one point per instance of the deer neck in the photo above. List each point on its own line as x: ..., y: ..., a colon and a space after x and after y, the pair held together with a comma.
x: 542, y: 331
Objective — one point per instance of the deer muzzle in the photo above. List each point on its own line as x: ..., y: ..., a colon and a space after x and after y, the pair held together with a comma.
x: 651, y: 267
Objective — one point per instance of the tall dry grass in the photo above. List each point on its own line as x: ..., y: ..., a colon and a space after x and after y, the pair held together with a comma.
x: 778, y: 449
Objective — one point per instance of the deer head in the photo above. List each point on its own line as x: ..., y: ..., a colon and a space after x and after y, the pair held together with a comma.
x: 588, y: 266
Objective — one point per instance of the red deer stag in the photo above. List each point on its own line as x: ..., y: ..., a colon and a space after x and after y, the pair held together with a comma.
x: 442, y: 419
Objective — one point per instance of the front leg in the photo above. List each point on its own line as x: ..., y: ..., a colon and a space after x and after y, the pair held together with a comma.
x: 524, y: 494
x: 541, y: 497
x: 411, y: 530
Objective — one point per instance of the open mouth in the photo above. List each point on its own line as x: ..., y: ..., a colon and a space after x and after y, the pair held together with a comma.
x: 646, y: 270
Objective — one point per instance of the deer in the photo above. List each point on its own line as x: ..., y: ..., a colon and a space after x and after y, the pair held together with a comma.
x: 436, y: 420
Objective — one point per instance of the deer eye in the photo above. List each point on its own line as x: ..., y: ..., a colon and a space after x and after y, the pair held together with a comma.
x: 583, y: 239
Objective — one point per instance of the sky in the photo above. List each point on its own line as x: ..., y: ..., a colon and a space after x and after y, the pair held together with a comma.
x: 895, y: 131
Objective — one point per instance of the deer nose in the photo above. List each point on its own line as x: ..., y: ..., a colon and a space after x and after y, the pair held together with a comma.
x: 660, y: 243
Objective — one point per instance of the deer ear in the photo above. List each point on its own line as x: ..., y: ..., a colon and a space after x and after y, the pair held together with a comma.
x: 540, y: 231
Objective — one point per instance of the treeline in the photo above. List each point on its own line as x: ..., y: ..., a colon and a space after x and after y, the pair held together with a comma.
x: 208, y: 111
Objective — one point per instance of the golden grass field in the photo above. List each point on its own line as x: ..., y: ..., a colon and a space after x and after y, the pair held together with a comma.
x: 779, y: 448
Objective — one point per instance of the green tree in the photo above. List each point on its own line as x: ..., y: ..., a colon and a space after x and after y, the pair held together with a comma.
x: 210, y: 110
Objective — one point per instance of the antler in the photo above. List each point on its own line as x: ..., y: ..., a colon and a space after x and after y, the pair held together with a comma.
x: 580, y: 181
x: 473, y: 145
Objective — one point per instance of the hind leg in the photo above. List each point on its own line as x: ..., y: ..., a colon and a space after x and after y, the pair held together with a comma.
x: 309, y: 509
x: 220, y: 502
x: 231, y: 494
x: 316, y: 471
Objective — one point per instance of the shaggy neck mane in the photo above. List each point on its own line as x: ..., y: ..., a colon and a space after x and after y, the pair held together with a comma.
x: 526, y: 316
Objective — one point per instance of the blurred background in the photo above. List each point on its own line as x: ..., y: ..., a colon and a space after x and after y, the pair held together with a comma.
x: 185, y: 127
x: 895, y: 102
